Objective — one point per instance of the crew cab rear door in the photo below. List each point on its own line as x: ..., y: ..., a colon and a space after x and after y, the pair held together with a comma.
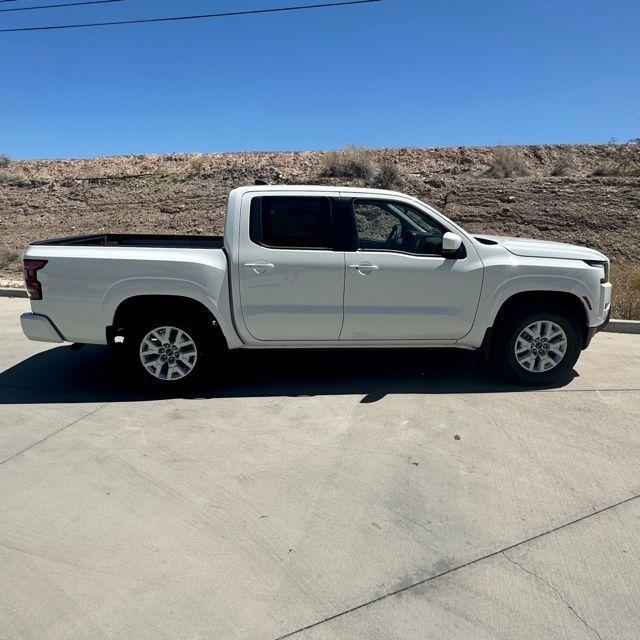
x: 398, y: 283
x: 290, y: 266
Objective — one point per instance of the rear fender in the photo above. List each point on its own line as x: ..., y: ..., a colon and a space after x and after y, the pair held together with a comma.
x: 128, y: 288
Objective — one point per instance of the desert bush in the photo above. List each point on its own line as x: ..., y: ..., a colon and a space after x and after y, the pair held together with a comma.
x: 562, y: 166
x: 356, y: 163
x: 388, y: 176
x: 6, y: 173
x: 625, y: 163
x: 625, y: 279
x: 196, y: 164
x: 7, y: 176
x: 507, y: 163
x: 8, y: 257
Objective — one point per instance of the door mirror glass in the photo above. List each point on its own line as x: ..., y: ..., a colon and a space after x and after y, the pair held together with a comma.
x: 451, y: 242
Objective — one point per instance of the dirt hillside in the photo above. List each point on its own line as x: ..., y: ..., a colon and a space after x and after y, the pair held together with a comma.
x: 585, y: 194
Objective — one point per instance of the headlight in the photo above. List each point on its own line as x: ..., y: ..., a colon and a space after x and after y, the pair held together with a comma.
x: 602, y: 264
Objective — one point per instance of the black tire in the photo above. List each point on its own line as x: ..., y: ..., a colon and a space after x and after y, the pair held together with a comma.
x: 503, y: 356
x: 188, y: 366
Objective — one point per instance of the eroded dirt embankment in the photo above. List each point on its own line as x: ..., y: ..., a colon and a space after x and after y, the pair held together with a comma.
x: 186, y: 193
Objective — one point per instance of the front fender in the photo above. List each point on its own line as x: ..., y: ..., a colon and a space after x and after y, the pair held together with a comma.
x: 526, y: 283
x: 523, y: 275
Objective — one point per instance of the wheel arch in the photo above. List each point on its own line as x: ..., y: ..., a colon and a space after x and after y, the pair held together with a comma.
x: 545, y: 301
x: 130, y: 309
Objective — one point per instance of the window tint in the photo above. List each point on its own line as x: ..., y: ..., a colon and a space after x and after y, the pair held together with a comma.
x: 292, y: 222
x: 394, y: 226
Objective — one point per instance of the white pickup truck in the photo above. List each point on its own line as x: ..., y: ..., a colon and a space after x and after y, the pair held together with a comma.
x: 320, y: 267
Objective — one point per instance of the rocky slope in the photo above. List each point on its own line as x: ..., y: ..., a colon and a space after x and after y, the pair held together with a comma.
x: 586, y: 194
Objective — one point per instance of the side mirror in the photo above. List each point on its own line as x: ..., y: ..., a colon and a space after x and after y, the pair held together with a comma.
x: 451, y: 242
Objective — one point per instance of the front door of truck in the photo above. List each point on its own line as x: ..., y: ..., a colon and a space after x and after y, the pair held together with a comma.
x: 291, y: 276
x: 398, y: 283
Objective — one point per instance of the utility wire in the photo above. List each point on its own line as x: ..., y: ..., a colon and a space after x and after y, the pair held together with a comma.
x: 56, y: 6
x: 193, y: 17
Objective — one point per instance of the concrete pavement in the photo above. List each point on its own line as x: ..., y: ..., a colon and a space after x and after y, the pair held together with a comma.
x: 326, y: 495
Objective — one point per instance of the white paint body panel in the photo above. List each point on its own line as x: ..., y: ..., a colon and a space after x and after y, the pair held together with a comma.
x: 300, y: 298
x: 410, y: 297
x: 312, y: 298
x: 545, y: 248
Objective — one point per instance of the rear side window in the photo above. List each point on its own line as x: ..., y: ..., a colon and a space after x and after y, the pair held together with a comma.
x: 292, y: 222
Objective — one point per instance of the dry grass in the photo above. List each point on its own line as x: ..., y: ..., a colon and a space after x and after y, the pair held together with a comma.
x: 7, y: 175
x: 196, y: 164
x: 359, y: 164
x: 563, y: 166
x: 389, y: 176
x: 355, y: 163
x: 9, y: 258
x: 507, y: 163
x: 624, y: 163
x: 625, y: 279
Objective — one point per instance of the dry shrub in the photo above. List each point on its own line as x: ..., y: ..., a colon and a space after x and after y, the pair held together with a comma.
x: 196, y: 164
x: 10, y: 177
x: 361, y: 165
x: 389, y: 176
x: 625, y: 280
x: 562, y: 166
x: 625, y: 163
x: 8, y: 257
x: 7, y: 175
x: 507, y: 163
x: 355, y: 163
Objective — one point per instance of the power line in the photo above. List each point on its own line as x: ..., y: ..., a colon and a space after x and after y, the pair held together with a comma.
x: 56, y: 6
x: 193, y: 17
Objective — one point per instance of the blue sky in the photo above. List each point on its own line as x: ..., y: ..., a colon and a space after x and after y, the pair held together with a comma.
x: 396, y: 73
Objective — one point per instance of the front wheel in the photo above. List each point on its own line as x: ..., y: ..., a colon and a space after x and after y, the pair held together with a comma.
x: 536, y: 348
x: 167, y: 350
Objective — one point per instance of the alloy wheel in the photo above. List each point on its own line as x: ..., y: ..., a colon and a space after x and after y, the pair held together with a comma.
x: 168, y: 353
x: 541, y: 346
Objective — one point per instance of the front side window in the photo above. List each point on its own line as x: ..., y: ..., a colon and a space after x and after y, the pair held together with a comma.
x: 394, y: 226
x: 292, y: 222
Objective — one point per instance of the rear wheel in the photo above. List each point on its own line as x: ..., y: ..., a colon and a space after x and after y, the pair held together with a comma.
x: 168, y: 350
x: 536, y: 348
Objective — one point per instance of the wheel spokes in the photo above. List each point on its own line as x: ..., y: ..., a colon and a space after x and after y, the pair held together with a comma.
x: 540, y: 346
x: 168, y: 353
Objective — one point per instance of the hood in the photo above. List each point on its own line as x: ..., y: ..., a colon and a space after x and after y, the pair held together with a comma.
x: 543, y: 248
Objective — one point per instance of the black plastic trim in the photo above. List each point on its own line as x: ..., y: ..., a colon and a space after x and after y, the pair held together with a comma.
x: 591, y: 331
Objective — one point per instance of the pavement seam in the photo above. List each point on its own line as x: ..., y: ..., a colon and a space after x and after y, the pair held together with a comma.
x: 556, y: 591
x: 54, y: 433
x: 493, y: 554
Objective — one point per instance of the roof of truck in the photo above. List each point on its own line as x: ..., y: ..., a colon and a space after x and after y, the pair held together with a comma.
x: 312, y: 187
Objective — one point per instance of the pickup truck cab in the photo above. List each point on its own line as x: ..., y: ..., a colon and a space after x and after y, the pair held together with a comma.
x: 320, y: 267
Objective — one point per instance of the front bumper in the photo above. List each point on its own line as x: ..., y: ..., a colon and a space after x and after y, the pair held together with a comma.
x: 593, y: 330
x: 39, y: 328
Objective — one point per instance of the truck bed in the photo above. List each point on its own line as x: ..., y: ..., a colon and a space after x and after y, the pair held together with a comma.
x: 136, y: 240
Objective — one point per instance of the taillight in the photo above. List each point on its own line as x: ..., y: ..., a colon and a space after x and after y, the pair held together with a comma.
x: 31, y: 268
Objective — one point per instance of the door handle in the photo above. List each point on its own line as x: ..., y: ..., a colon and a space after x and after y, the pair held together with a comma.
x: 364, y: 267
x: 259, y: 266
